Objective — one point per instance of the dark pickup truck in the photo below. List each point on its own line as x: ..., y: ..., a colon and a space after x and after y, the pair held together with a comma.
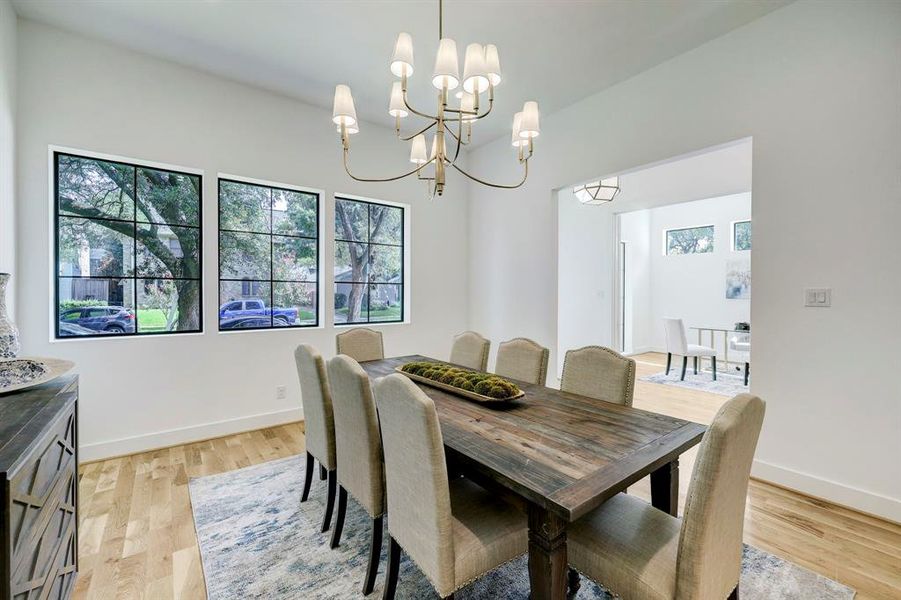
x: 234, y: 313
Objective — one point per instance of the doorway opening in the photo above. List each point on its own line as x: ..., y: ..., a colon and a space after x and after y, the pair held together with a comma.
x: 676, y: 242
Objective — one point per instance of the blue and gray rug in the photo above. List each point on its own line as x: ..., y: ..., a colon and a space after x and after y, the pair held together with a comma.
x: 258, y: 541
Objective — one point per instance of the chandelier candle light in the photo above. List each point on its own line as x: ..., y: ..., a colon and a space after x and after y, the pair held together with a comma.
x: 481, y: 74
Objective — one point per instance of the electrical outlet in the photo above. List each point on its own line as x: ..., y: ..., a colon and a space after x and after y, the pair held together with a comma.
x: 818, y: 297
x: 281, y: 392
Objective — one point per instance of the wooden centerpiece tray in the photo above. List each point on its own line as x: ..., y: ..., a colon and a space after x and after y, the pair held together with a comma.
x: 456, y: 390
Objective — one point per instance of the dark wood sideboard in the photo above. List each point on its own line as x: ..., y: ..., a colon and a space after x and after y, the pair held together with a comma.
x: 39, y: 491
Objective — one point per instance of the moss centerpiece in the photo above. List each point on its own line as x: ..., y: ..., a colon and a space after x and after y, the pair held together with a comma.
x: 470, y: 383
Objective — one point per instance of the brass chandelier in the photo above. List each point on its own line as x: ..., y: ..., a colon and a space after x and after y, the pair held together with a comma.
x: 481, y: 74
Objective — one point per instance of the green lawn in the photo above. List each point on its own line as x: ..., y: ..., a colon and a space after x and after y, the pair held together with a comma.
x: 392, y: 313
x: 151, y: 320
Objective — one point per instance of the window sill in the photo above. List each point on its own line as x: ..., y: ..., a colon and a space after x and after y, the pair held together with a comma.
x: 270, y: 329
x: 373, y: 324
x: 104, y: 338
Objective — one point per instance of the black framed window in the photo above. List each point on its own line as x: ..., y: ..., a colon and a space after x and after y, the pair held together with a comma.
x: 369, y: 262
x: 268, y: 256
x: 690, y: 240
x: 741, y: 236
x: 128, y: 248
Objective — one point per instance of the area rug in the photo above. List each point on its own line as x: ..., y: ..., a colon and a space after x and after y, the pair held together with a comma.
x: 726, y: 383
x: 258, y: 541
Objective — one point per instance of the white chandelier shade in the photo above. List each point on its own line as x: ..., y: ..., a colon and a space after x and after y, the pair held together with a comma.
x: 481, y: 74
x: 343, y: 112
x: 530, y: 127
x: 417, y: 150
x: 447, y: 69
x: 402, y: 59
x: 475, y: 74
x: 396, y: 106
x: 492, y: 64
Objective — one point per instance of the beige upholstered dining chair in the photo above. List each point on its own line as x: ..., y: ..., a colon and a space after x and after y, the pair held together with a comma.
x: 358, y: 442
x: 455, y: 531
x: 522, y: 359
x: 599, y: 373
x: 639, y: 552
x: 470, y: 350
x: 361, y: 344
x: 319, y: 423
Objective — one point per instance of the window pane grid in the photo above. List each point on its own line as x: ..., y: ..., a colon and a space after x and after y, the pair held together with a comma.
x: 133, y: 301
x: 303, y: 310
x: 369, y: 262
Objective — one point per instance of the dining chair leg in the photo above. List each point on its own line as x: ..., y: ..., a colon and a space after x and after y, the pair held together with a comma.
x: 322, y: 472
x: 375, y: 553
x: 573, y: 581
x: 747, y: 368
x: 713, y: 364
x: 307, y: 478
x: 339, y: 517
x: 684, y: 366
x: 330, y: 501
x: 696, y: 365
x: 392, y: 570
x: 669, y: 361
x: 734, y: 594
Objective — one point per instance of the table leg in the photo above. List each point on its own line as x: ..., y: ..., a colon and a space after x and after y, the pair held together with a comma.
x: 726, y: 350
x: 547, y: 554
x: 665, y: 488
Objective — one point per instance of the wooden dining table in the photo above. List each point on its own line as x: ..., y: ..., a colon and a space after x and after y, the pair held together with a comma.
x: 563, y: 454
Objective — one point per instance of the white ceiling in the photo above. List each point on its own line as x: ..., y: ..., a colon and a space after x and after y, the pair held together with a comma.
x: 556, y: 52
x: 710, y: 173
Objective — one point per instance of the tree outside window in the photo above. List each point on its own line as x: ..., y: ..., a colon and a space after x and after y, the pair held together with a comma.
x: 691, y: 240
x: 128, y: 248
x: 741, y: 236
x: 369, y: 262
x: 268, y: 256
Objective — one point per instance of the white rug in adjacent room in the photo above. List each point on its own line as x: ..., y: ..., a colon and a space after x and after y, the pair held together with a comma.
x: 726, y: 384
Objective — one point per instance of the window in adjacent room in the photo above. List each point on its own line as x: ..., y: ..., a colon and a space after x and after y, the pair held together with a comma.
x: 268, y: 256
x: 128, y: 248
x: 369, y: 262
x: 690, y: 240
x: 741, y: 235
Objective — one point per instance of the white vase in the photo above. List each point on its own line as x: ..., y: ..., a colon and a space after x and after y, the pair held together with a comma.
x: 9, y: 334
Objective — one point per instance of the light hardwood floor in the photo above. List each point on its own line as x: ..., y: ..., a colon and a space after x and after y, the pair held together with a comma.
x: 137, y: 535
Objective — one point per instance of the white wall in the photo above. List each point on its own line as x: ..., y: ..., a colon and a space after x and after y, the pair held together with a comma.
x: 635, y: 233
x: 8, y: 148
x: 144, y: 392
x: 816, y: 86
x: 690, y: 287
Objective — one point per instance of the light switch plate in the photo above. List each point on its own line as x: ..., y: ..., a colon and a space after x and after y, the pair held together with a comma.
x: 818, y: 297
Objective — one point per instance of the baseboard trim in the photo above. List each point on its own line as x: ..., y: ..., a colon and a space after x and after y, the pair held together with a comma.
x: 183, y: 435
x: 863, y: 501
x: 642, y: 350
